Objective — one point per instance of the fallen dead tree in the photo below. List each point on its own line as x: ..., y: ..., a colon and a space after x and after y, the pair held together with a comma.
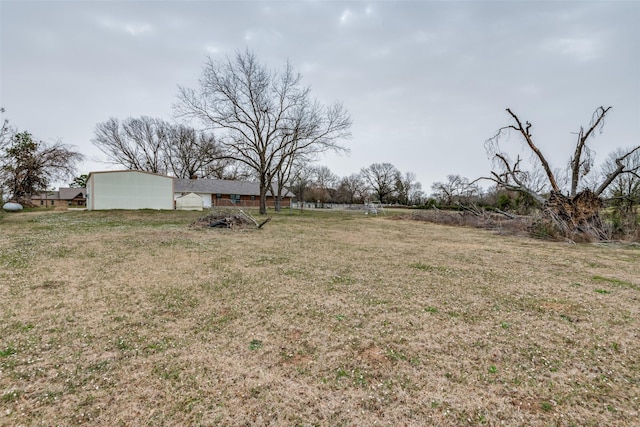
x: 572, y: 211
x: 499, y: 222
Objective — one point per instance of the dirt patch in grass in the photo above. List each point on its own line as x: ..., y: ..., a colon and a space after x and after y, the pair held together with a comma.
x: 135, y: 318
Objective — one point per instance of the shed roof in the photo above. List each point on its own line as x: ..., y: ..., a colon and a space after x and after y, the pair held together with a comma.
x: 127, y: 171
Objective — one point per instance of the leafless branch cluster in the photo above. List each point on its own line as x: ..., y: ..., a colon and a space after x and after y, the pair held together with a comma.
x: 154, y: 145
x: 455, y: 190
x: 266, y: 119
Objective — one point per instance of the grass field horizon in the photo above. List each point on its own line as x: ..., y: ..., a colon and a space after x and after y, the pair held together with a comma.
x: 320, y: 318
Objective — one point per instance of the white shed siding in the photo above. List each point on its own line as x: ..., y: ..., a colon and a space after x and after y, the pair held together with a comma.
x: 129, y: 190
x: 189, y: 202
x: 206, y: 198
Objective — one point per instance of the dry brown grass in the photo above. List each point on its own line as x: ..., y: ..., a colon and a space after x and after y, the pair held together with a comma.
x: 134, y: 318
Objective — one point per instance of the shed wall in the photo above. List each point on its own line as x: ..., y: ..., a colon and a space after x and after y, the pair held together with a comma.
x: 189, y: 202
x: 129, y: 190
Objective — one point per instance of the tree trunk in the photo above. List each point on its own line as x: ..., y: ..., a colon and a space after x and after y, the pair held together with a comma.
x: 278, y: 203
x: 263, y: 196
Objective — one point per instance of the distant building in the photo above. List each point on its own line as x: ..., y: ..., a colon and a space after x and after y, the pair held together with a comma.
x: 221, y: 192
x: 64, y: 197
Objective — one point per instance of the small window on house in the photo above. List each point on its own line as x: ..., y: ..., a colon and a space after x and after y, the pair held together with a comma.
x: 218, y: 196
x: 253, y: 197
x: 235, y: 198
x: 41, y: 202
x: 52, y: 203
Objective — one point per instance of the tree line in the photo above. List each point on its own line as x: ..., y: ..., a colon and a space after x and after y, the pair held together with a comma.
x: 379, y: 182
x: 247, y: 121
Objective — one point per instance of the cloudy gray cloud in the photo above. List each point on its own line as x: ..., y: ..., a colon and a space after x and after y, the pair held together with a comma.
x: 425, y: 82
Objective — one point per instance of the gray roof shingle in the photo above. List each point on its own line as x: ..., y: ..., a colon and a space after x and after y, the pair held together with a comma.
x: 62, y: 194
x: 72, y: 193
x: 220, y: 186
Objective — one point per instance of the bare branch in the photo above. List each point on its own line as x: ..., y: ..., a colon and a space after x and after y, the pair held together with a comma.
x: 620, y: 169
x: 577, y: 162
x: 528, y: 138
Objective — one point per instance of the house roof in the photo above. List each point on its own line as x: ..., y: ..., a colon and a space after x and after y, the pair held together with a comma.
x: 50, y: 195
x: 72, y: 193
x: 220, y: 186
x: 62, y: 194
x: 189, y: 196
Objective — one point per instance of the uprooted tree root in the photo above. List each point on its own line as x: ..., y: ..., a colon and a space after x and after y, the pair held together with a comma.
x: 235, y: 219
x: 577, y: 218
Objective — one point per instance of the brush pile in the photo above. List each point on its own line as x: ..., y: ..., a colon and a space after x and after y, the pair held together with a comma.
x: 225, y: 218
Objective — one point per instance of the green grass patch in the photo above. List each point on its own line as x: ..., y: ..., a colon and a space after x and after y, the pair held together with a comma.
x: 616, y: 282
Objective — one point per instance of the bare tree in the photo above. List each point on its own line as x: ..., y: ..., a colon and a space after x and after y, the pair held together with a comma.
x: 300, y: 180
x: 266, y: 117
x: 154, y: 145
x: 28, y: 166
x: 574, y: 209
x: 351, y: 189
x: 624, y: 190
x: 188, y: 153
x: 136, y: 144
x: 380, y: 178
x: 408, y: 189
x: 456, y: 189
x: 324, y: 183
x: 225, y: 168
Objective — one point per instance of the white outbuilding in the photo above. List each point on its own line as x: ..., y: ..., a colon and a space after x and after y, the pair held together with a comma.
x: 129, y: 190
x: 189, y: 202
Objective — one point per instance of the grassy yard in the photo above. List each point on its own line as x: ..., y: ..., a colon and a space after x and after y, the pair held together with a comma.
x: 320, y: 318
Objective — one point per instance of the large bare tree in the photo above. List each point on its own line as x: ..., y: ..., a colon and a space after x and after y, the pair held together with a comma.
x: 266, y: 118
x: 381, y: 179
x: 575, y: 208
x: 154, y: 145
x: 135, y: 143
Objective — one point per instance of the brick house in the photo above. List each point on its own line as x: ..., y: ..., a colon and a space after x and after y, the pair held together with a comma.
x: 64, y: 197
x: 221, y: 192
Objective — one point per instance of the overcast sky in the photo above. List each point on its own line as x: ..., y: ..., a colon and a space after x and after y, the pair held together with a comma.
x: 426, y: 82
